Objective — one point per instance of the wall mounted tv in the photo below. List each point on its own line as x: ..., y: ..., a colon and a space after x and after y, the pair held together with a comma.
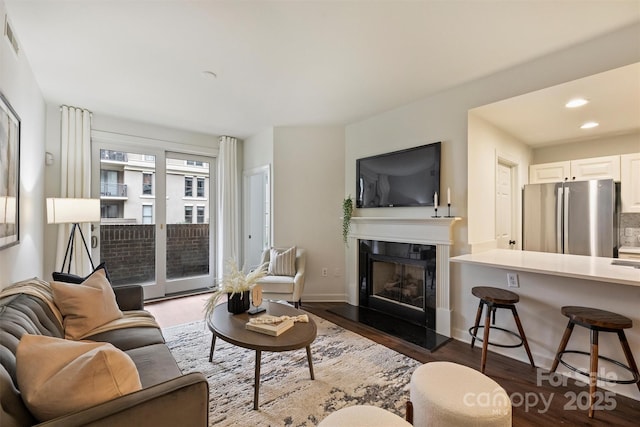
x: 402, y: 178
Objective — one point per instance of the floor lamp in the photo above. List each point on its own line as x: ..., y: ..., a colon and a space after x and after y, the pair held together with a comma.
x: 76, y: 212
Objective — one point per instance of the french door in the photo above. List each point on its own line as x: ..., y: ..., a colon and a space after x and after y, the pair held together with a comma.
x: 157, y: 224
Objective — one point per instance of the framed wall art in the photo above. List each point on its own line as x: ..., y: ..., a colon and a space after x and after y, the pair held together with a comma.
x: 9, y: 174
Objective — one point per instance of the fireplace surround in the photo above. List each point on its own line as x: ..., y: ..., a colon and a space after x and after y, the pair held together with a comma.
x: 417, y: 231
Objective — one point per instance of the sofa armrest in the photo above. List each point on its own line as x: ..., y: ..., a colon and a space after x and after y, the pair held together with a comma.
x: 129, y: 297
x: 182, y: 401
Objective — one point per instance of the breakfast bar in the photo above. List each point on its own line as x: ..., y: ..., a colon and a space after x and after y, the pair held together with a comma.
x: 545, y: 282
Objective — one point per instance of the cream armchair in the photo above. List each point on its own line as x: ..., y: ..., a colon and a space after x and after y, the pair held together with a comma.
x: 288, y: 288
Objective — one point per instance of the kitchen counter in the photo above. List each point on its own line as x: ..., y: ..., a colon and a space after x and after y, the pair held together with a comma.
x: 573, y: 266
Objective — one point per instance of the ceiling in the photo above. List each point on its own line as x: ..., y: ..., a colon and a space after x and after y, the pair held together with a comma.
x: 540, y: 118
x: 284, y: 63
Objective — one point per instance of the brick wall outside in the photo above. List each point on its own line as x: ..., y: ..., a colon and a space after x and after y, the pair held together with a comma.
x: 129, y: 251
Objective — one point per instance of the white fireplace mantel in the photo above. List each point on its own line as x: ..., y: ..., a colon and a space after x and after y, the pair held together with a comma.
x: 426, y: 231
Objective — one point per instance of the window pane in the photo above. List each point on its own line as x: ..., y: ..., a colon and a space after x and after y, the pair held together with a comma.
x: 188, y: 246
x: 147, y: 183
x: 200, y: 213
x: 200, y: 188
x: 188, y: 186
x: 127, y: 231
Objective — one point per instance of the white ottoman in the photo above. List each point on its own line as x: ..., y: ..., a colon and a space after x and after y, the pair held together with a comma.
x: 451, y: 395
x: 363, y: 416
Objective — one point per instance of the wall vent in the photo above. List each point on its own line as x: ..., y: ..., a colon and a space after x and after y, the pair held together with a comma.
x: 10, y: 35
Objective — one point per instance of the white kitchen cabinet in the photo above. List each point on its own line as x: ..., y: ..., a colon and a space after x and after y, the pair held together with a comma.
x: 596, y: 168
x: 607, y: 167
x: 630, y: 182
x: 549, y: 172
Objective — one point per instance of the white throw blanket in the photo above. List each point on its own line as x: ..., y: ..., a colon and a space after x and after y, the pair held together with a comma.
x: 42, y: 289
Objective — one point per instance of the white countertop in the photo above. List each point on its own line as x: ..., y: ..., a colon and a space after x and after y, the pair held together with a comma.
x: 575, y: 266
x: 629, y: 249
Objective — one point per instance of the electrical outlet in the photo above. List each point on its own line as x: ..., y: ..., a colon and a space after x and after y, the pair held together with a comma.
x: 512, y: 280
x: 325, y: 271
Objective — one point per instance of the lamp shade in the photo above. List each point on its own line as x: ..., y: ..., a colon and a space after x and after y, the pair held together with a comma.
x: 7, y: 210
x: 72, y: 211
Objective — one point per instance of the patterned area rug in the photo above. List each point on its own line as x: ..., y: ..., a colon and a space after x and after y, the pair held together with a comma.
x: 349, y: 370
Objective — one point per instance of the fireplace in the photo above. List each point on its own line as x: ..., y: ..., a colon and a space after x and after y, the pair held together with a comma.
x: 414, y: 231
x: 398, y: 279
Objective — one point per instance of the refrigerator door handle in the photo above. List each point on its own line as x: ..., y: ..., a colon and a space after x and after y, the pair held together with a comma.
x: 565, y: 225
x: 559, y: 220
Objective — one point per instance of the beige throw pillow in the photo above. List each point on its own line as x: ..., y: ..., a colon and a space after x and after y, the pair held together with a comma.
x: 282, y: 262
x: 87, y: 305
x: 57, y: 376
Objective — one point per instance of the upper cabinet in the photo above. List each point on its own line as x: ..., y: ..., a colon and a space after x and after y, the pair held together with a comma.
x: 596, y: 168
x: 607, y: 167
x: 630, y: 182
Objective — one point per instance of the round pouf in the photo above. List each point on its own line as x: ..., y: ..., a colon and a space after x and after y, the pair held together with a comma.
x: 363, y: 416
x: 452, y: 395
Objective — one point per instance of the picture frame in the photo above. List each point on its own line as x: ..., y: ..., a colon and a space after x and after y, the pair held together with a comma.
x: 9, y: 174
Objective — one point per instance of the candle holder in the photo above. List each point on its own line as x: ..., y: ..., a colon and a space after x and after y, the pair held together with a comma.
x: 436, y: 214
x: 448, y: 211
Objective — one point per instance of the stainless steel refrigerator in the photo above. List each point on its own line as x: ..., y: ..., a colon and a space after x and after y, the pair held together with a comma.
x: 577, y: 217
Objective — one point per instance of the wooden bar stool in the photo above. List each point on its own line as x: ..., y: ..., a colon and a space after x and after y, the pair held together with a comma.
x: 597, y: 321
x: 495, y: 298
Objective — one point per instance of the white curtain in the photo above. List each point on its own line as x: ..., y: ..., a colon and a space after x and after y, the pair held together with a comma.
x: 75, y: 181
x: 228, y: 203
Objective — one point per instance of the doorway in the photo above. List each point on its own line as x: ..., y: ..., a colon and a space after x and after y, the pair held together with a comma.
x: 157, y: 207
x: 257, y: 214
x: 506, y: 207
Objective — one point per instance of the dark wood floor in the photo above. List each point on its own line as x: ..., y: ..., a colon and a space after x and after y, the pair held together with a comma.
x: 517, y: 378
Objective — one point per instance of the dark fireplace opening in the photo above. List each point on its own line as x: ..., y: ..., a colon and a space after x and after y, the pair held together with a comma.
x: 398, y: 279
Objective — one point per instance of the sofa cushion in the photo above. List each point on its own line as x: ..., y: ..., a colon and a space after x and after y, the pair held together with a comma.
x: 282, y: 262
x: 58, y: 376
x: 155, y: 364
x: 87, y: 305
x: 277, y: 284
x: 128, y: 338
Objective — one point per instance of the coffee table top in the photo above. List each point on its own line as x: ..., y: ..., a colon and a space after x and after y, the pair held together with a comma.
x: 231, y: 328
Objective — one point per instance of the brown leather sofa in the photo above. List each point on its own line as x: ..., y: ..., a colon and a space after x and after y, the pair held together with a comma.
x: 167, y: 398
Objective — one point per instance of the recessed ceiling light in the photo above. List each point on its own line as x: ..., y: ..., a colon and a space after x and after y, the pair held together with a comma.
x: 210, y: 74
x: 574, y: 103
x: 589, y: 125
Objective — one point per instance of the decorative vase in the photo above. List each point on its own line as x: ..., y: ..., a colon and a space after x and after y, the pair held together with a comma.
x: 238, y: 302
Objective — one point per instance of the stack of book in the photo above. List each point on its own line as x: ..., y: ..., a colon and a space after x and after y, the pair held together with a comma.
x: 274, y: 329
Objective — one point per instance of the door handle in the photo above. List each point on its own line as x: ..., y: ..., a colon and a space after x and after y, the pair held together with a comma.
x: 94, y: 242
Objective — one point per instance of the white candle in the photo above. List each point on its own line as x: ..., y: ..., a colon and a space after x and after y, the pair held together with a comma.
x: 448, y: 196
x: 435, y: 200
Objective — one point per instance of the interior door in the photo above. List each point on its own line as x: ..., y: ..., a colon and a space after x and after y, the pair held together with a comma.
x: 504, y: 207
x: 257, y: 218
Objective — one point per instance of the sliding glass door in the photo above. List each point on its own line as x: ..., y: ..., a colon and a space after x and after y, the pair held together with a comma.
x: 156, y: 209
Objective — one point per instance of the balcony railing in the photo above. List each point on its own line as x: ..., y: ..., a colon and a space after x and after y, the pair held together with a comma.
x: 109, y: 189
x: 117, y: 156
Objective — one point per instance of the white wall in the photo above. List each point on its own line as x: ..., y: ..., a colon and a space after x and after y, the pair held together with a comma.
x: 308, y: 181
x: 618, y: 144
x: 444, y: 117
x: 258, y: 150
x: 485, y: 143
x: 19, y: 86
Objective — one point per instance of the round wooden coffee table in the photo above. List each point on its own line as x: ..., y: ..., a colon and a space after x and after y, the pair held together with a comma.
x: 231, y: 328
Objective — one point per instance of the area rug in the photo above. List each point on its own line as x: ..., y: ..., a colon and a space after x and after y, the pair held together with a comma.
x: 349, y: 370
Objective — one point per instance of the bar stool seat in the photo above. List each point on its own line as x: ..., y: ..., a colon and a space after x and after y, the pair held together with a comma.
x: 596, y: 321
x: 495, y: 298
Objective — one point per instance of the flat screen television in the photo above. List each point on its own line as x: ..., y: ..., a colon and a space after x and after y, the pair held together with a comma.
x: 401, y: 178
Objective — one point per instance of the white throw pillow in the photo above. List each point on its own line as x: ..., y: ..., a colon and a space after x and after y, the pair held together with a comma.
x: 87, y: 305
x: 282, y: 262
x: 57, y: 376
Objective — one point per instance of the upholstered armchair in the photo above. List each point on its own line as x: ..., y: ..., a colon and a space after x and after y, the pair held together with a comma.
x: 284, y: 287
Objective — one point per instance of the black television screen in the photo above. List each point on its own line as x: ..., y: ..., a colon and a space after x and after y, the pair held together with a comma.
x: 402, y: 178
